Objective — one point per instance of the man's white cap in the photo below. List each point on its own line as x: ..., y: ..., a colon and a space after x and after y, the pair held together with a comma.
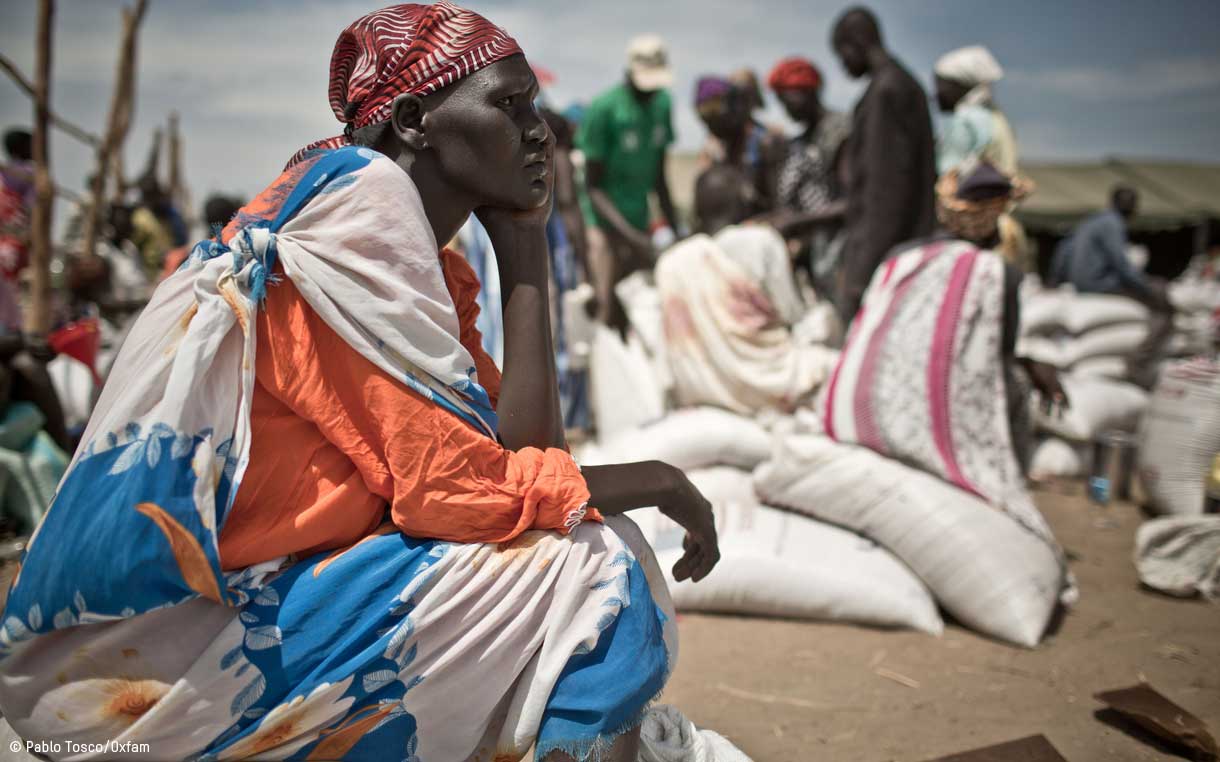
x: 648, y: 63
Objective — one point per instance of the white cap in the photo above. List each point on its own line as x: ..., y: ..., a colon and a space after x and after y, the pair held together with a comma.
x: 648, y: 63
x: 972, y: 65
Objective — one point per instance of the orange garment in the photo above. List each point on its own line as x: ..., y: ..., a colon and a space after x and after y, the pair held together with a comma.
x: 336, y: 440
x: 173, y: 260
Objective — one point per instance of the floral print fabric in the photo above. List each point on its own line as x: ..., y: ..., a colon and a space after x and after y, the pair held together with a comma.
x: 121, y: 623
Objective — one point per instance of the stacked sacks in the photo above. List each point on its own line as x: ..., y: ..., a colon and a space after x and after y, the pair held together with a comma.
x: 624, y: 387
x: 1180, y: 437
x: 991, y: 562
x: 629, y: 378
x: 1197, y: 320
x: 1089, y: 338
x: 933, y: 541
x: 1056, y: 458
x: 642, y: 303
x: 921, y: 385
x: 749, y: 342
x: 773, y: 562
x: 1095, y: 334
x: 1097, y: 405
x: 1065, y: 329
x: 691, y: 438
x: 1178, y: 460
x: 985, y: 568
x: 781, y: 564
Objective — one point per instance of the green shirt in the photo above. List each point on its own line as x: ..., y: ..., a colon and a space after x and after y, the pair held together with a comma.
x: 629, y: 138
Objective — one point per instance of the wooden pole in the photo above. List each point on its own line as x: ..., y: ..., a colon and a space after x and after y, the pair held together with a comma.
x: 71, y: 195
x: 39, y: 318
x: 152, y: 165
x: 25, y: 85
x: 118, y: 169
x: 118, y: 123
x: 175, y: 160
x: 179, y: 192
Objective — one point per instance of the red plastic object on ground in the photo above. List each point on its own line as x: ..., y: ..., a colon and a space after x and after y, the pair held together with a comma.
x: 81, y: 341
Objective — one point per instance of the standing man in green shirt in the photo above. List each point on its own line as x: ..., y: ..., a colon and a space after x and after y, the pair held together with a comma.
x: 624, y: 137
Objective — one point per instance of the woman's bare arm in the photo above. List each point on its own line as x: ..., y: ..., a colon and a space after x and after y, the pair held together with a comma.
x: 622, y: 487
x: 529, y: 389
x: 529, y: 394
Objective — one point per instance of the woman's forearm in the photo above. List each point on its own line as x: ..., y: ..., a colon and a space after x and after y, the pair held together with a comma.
x: 529, y: 392
x: 623, y: 487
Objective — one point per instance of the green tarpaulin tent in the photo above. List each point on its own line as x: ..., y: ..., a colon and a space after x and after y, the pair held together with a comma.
x: 1173, y: 195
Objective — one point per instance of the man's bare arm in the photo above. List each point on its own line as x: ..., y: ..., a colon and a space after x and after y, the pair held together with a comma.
x: 608, y: 212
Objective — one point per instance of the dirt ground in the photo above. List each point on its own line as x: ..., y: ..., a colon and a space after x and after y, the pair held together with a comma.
x: 811, y: 691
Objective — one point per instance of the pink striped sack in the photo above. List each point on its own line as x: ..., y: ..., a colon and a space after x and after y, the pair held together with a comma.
x: 921, y: 378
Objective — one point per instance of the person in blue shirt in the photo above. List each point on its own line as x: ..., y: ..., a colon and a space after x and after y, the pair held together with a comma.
x: 1094, y: 260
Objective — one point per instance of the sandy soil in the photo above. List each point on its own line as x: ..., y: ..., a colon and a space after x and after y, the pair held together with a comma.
x: 811, y: 691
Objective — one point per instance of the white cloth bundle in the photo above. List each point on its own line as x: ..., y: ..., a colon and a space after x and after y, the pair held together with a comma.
x: 728, y: 334
x: 667, y: 736
x: 1180, y: 555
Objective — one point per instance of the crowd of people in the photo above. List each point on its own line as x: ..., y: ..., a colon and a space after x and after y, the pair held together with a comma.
x: 52, y: 379
x: 843, y: 194
x: 322, y: 500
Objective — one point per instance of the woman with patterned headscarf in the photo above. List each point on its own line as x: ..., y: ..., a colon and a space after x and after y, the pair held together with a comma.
x: 810, y: 206
x: 309, y: 519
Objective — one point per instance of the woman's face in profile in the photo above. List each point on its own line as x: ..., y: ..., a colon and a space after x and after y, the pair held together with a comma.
x: 489, y: 139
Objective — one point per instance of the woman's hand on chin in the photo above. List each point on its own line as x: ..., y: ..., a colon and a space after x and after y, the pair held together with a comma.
x: 519, y: 239
x: 503, y: 219
x: 499, y: 219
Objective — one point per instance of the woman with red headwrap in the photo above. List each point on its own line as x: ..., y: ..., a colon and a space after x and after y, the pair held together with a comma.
x: 809, y: 196
x: 309, y: 519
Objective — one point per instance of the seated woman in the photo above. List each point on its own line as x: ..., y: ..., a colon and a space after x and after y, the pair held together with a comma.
x: 929, y: 373
x: 730, y: 303
x: 810, y: 201
x: 308, y: 519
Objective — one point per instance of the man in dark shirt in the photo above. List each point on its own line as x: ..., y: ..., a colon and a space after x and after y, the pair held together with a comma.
x: 891, y: 164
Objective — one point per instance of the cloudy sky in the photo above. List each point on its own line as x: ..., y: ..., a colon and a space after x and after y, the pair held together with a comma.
x: 1084, y: 79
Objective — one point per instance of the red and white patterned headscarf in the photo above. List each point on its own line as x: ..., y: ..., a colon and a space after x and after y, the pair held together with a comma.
x: 406, y: 48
